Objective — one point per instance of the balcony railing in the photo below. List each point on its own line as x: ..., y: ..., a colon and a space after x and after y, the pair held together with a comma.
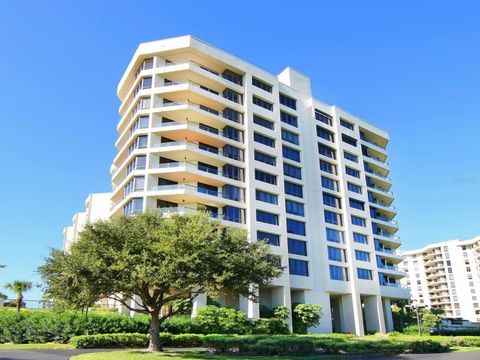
x: 363, y: 138
x: 196, y: 189
x: 387, y: 235
x: 379, y: 188
x: 383, y: 204
x: 388, y: 267
x: 384, y: 162
x: 208, y: 149
x: 386, y: 220
x: 201, y: 128
x: 183, y: 209
x: 378, y: 174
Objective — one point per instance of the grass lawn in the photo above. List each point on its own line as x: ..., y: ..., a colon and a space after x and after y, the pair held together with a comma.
x: 464, y: 349
x: 34, y: 346
x: 141, y: 355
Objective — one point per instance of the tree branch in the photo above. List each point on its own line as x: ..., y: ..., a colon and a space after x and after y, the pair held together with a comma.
x: 124, y: 303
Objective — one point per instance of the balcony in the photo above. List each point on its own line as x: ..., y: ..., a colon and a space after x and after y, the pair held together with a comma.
x: 380, y: 189
x: 387, y: 235
x: 376, y: 160
x: 186, y: 193
x: 368, y: 141
x: 378, y: 174
x: 219, y: 216
x: 385, y: 221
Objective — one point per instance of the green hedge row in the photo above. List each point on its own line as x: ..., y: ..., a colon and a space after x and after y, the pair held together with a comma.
x: 267, y: 344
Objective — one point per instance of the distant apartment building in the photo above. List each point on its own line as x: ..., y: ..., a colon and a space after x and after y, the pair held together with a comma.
x: 202, y: 130
x: 446, y: 275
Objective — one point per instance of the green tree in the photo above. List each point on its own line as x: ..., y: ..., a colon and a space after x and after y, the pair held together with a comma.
x: 403, y: 315
x: 19, y: 287
x: 430, y: 318
x: 148, y: 262
x: 305, y: 316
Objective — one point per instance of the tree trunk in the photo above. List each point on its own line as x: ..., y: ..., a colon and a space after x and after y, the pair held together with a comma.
x: 154, y: 331
x: 19, y: 302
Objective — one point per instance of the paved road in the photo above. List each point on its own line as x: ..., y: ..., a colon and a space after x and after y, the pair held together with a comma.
x: 65, y: 355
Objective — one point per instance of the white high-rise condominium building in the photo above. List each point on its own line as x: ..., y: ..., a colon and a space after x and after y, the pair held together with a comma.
x: 201, y: 129
x: 446, y: 275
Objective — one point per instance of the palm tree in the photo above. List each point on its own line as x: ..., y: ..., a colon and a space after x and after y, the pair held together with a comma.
x: 19, y: 287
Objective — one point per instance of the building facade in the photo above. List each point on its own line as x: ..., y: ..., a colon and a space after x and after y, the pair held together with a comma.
x: 446, y: 275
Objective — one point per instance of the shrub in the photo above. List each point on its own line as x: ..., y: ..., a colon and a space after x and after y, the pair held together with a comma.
x: 109, y: 341
x: 467, y: 341
x: 187, y: 340
x: 181, y: 325
x: 270, y: 326
x: 305, y: 316
x: 283, y: 346
x: 222, y: 320
x: 228, y: 344
x: 427, y: 346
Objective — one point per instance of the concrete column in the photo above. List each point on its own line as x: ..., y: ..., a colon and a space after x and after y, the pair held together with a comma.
x: 387, y: 313
x: 199, y: 302
x: 251, y: 308
x: 373, y: 309
x: 281, y: 296
x: 322, y: 299
x: 352, y: 318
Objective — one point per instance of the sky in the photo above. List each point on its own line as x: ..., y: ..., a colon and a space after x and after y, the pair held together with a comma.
x: 409, y: 67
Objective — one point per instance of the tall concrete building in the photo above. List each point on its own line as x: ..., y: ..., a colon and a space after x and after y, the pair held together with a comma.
x: 446, y: 275
x: 203, y: 130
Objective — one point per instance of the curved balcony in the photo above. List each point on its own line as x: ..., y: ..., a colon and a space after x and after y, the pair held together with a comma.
x: 380, y: 190
x: 224, y: 219
x: 375, y: 160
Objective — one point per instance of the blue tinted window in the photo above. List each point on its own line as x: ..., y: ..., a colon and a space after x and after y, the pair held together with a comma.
x: 297, y: 247
x: 346, y: 124
x: 290, y: 137
x: 261, y: 84
x: 336, y: 272
x: 328, y: 167
x: 263, y: 140
x: 350, y: 157
x: 364, y: 274
x: 334, y: 253
x: 263, y: 176
x: 362, y: 255
x: 326, y: 151
x: 354, y: 188
x: 272, y: 239
x: 288, y: 119
x: 298, y: 267
x: 329, y: 183
x: 357, y: 204
x: 266, y: 217
x: 231, y: 213
x: 291, y: 154
x: 232, y: 192
x: 263, y: 122
x: 352, y: 172
x: 358, y: 221
x: 349, y: 140
x: 293, y: 189
x: 332, y: 218
x: 292, y: 171
x: 334, y: 235
x: 325, y: 134
x: 295, y: 208
x: 360, y: 238
x: 267, y: 159
x: 330, y: 200
x: 324, y: 118
x: 295, y: 227
x: 262, y: 103
x: 288, y: 101
x: 266, y: 197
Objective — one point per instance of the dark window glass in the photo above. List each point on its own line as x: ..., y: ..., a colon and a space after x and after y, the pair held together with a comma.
x: 349, y: 140
x: 350, y: 157
x: 358, y: 221
x: 291, y: 154
x: 360, y: 238
x: 233, y: 77
x: 297, y: 247
x: 354, y: 188
x: 261, y: 84
x: 326, y: 151
x: 292, y: 171
x: 293, y: 189
x: 331, y: 200
x: 352, y: 172
x: 233, y: 214
x: 364, y: 274
x: 269, y: 238
x: 232, y: 192
x: 336, y: 272
x: 324, y: 118
x: 332, y: 218
x: 328, y: 167
x: 267, y: 217
x: 356, y: 204
x: 263, y: 139
x: 288, y: 119
x: 325, y: 134
x: 290, y: 137
x: 288, y: 101
x: 263, y: 122
x: 267, y: 159
x: 334, y: 235
x: 329, y: 183
x: 266, y: 197
x: 295, y: 227
x: 295, y: 208
x: 362, y: 255
x: 298, y: 267
x: 346, y: 124
x: 263, y: 176
x: 334, y: 254
x: 233, y: 152
x: 262, y: 103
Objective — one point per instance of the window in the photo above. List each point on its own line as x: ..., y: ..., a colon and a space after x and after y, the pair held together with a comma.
x: 262, y: 103
x: 354, y: 188
x: 332, y: 218
x: 298, y: 267
x: 334, y: 253
x: 349, y: 140
x: 263, y: 139
x: 328, y: 167
x: 346, y: 124
x: 266, y: 217
x: 324, y: 118
x: 288, y: 119
x: 140, y: 123
x: 292, y: 171
x: 358, y: 221
x: 233, y: 192
x: 134, y: 206
x: 364, y: 274
x: 233, y: 152
x: 263, y: 122
x: 360, y: 205
x: 334, y: 235
x: 362, y: 255
x: 293, y: 189
x: 295, y: 227
x: 360, y: 238
x: 266, y: 197
x: 331, y: 200
x: 329, y: 183
x: 350, y: 157
x: 288, y: 101
x: 295, y: 208
x: 140, y: 142
x: 337, y: 272
x: 269, y: 238
x: 267, y: 178
x: 267, y: 159
x: 234, y: 214
x: 290, y: 137
x: 326, y: 151
x: 138, y: 163
x: 136, y: 184
x: 297, y: 247
x: 325, y: 134
x: 233, y: 77
x: 262, y: 85
x: 352, y: 172
x: 291, y: 154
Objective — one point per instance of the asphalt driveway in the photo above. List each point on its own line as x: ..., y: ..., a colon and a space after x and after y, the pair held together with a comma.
x: 54, y: 354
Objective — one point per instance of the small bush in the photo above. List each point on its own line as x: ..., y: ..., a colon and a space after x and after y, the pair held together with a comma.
x: 188, y: 340
x: 427, y: 346
x: 109, y: 341
x: 181, y: 325
x: 283, y: 346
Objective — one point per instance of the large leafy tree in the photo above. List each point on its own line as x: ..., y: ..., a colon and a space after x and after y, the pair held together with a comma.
x: 19, y: 287
x: 149, y: 262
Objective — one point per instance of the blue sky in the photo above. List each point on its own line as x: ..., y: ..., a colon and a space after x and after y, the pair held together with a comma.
x: 410, y: 68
